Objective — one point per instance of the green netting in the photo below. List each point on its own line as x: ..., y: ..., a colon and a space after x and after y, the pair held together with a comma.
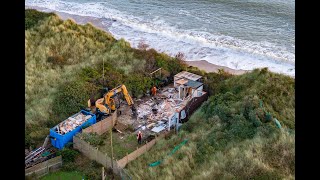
x: 155, y: 163
x: 268, y: 116
x: 277, y: 123
x: 173, y: 151
x: 45, y: 154
x: 177, y: 147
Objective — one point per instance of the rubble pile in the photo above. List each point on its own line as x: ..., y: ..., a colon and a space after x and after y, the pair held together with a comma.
x: 71, y: 123
x: 154, y: 113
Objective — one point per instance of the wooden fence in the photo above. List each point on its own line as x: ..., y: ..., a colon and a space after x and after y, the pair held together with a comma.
x: 93, y: 153
x: 103, y: 125
x: 194, y: 104
x: 132, y: 156
x: 45, y: 167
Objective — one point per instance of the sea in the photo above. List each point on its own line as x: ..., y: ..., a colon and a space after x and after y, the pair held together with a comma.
x: 239, y: 34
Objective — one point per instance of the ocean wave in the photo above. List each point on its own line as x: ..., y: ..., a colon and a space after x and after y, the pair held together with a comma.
x: 169, y: 38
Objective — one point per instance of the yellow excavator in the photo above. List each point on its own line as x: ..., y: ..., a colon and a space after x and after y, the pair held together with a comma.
x: 106, y: 105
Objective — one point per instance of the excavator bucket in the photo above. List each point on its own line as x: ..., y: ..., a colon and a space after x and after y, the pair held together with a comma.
x: 134, y: 110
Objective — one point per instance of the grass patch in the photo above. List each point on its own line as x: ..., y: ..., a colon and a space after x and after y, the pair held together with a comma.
x: 122, y: 143
x: 63, y: 176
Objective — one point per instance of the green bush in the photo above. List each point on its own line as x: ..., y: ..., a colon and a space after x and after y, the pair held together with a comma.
x: 72, y: 97
x: 32, y: 17
x: 253, y: 117
x: 268, y: 117
x: 68, y: 155
x: 138, y: 84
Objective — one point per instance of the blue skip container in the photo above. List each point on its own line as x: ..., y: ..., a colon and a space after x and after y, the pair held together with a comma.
x: 59, y: 140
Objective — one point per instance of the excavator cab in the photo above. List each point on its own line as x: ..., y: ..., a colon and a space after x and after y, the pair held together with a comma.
x: 110, y: 102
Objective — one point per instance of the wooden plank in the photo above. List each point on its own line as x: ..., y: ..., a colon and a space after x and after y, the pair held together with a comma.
x: 155, y: 71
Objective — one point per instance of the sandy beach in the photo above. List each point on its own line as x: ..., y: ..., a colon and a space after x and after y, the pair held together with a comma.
x: 97, y: 22
x: 209, y: 67
x: 128, y: 33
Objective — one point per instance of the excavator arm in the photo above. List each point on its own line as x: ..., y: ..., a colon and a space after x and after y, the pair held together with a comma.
x: 107, y: 104
x: 122, y: 88
x: 102, y: 107
x: 126, y: 95
x: 128, y: 99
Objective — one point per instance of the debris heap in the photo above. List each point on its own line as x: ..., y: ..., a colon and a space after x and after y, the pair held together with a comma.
x: 71, y: 123
x: 154, y: 113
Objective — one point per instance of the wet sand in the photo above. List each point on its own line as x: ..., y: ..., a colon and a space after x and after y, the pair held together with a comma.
x: 97, y: 22
x: 209, y: 67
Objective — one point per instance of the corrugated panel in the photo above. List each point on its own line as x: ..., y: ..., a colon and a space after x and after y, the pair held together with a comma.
x: 194, y: 84
x: 182, y: 81
x: 188, y: 75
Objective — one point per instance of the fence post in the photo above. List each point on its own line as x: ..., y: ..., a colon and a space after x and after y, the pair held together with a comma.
x: 103, y: 177
x: 127, y: 158
x: 100, y: 127
x: 97, y: 151
x: 106, y: 163
x: 81, y: 145
x: 88, y: 149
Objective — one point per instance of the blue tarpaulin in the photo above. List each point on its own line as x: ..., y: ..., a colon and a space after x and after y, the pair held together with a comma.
x: 59, y: 141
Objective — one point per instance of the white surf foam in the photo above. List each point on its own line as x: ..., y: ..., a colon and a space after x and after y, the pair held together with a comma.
x: 196, y: 45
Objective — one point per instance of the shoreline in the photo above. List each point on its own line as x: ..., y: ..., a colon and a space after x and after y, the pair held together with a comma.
x: 77, y: 18
x: 209, y: 67
x: 201, y: 64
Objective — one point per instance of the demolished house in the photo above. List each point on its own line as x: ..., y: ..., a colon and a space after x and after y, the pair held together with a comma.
x: 170, y: 106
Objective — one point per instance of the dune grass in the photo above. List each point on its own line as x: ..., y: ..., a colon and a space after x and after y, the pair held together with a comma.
x: 230, y: 136
x: 64, y: 68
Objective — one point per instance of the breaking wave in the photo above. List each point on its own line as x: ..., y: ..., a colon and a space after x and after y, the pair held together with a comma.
x: 196, y: 45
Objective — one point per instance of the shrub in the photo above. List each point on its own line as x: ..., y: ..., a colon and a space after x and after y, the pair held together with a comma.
x: 68, y: 155
x: 180, y: 56
x: 138, y: 84
x: 33, y: 17
x: 142, y: 45
x: 72, y: 97
x: 268, y: 117
x: 253, y: 117
x: 57, y: 60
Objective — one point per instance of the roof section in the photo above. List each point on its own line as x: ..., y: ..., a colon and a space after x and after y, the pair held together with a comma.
x: 188, y: 75
x: 194, y: 84
x: 182, y: 81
